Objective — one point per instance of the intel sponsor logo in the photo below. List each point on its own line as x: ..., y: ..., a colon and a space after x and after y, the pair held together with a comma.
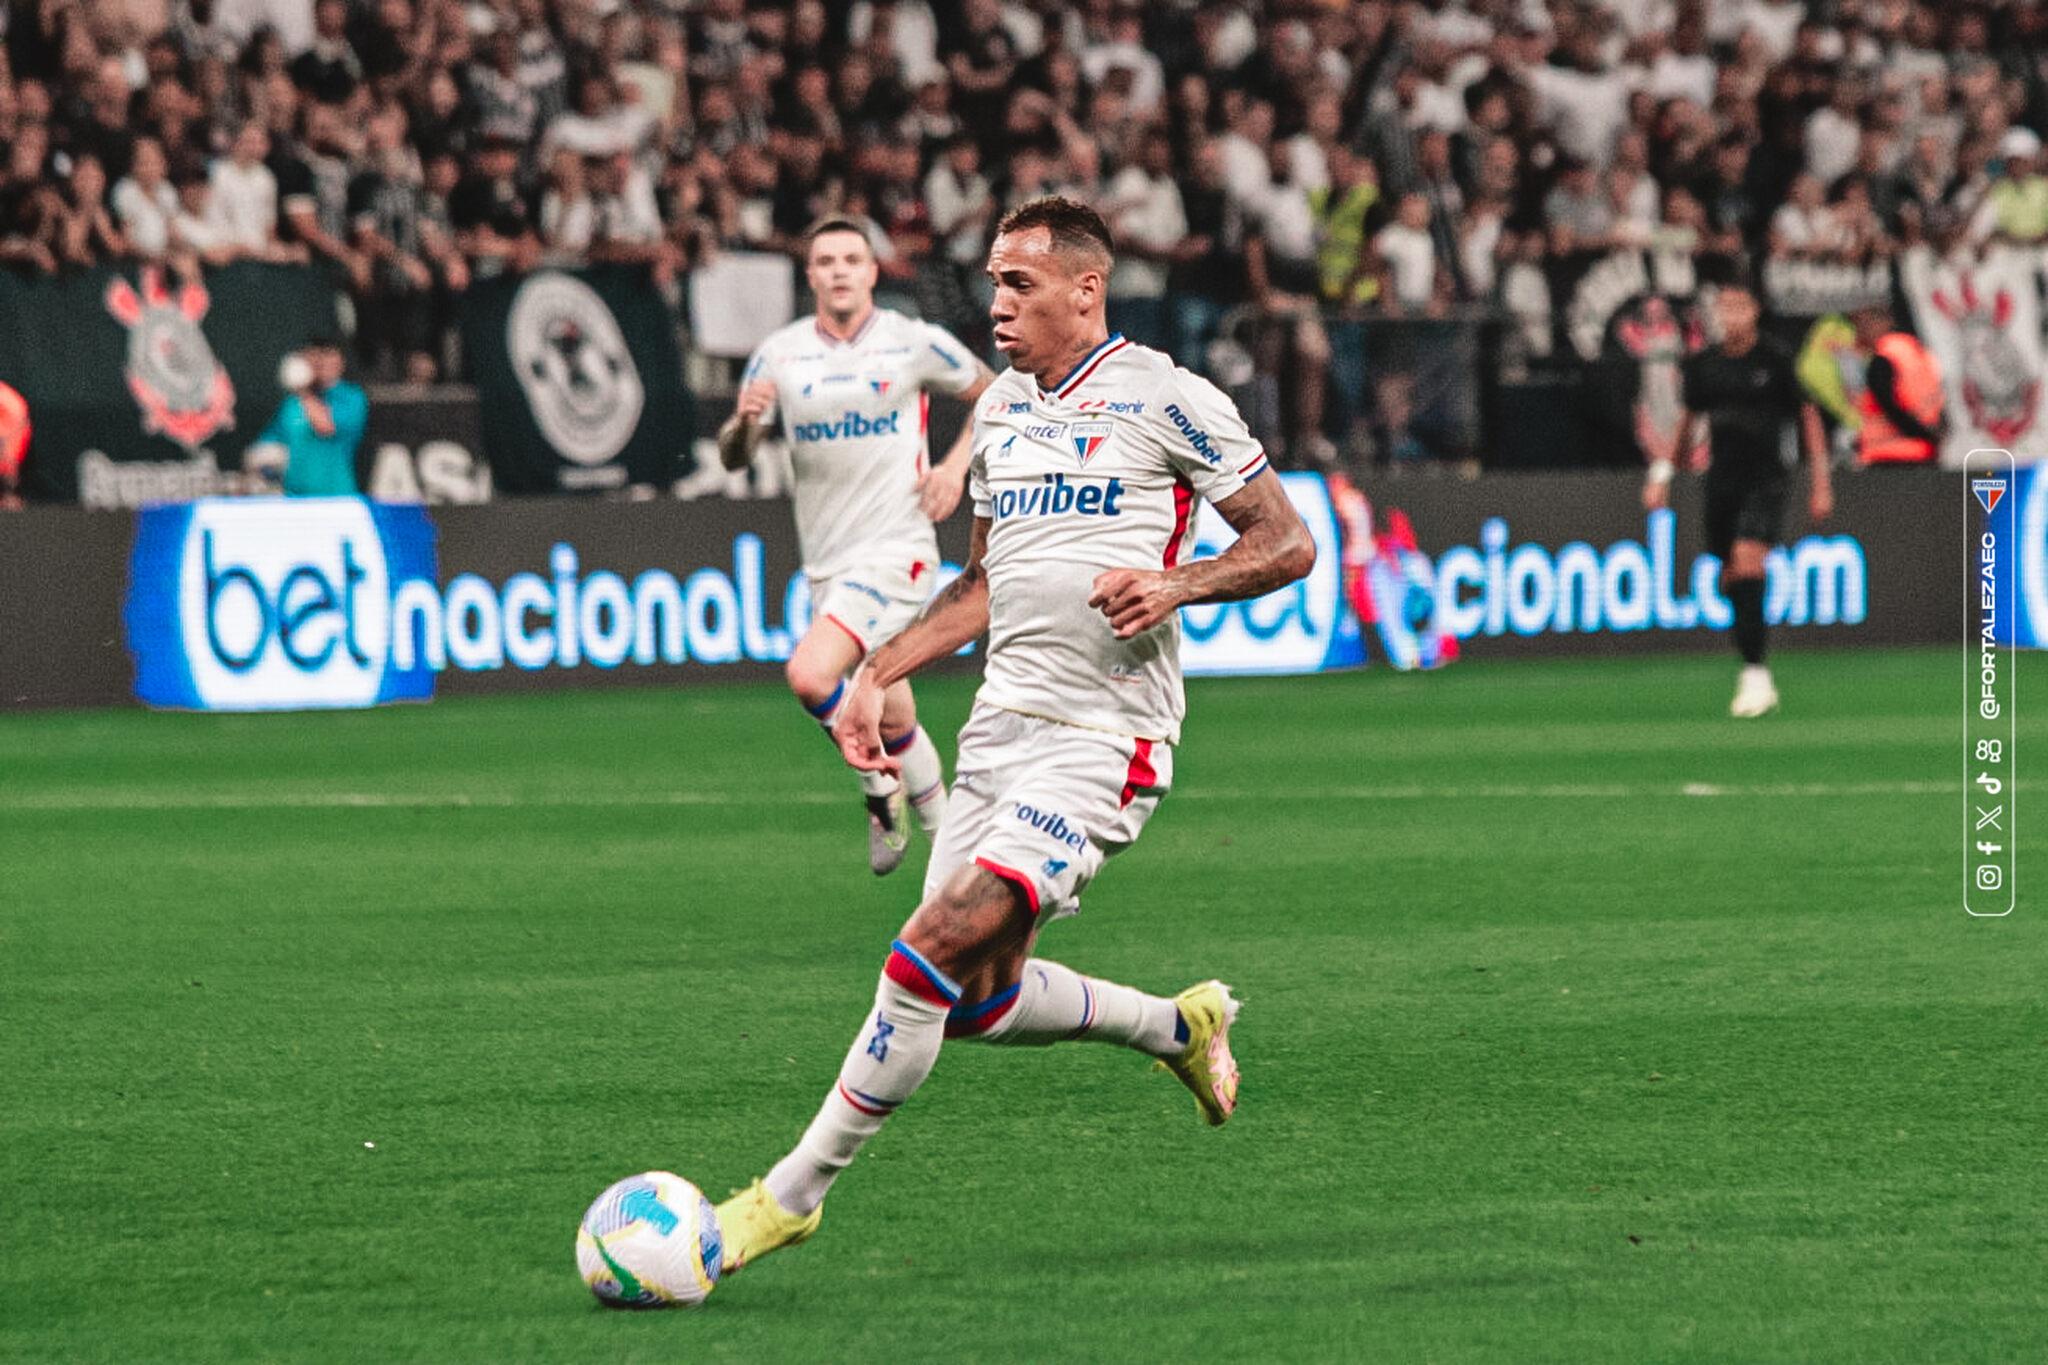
x: 850, y: 426
x: 1055, y: 497
x: 1198, y: 439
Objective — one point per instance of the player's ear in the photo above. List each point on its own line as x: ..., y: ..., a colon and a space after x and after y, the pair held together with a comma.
x: 1088, y: 287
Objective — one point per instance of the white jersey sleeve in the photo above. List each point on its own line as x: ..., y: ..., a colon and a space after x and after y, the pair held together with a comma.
x: 943, y: 363
x: 1206, y: 440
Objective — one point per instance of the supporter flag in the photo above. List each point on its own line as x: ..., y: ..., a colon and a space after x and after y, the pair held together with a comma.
x: 144, y: 386
x: 580, y: 380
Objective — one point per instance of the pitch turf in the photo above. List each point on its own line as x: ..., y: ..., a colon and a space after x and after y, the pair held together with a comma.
x: 1583, y: 1025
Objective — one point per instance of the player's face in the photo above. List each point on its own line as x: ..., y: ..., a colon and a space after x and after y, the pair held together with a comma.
x: 842, y: 274
x: 1043, y: 303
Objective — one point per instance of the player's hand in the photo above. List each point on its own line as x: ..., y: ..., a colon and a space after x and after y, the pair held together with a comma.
x: 1134, y: 600
x: 938, y: 490
x: 1820, y: 504
x: 755, y: 400
x: 1656, y: 496
x: 858, y: 731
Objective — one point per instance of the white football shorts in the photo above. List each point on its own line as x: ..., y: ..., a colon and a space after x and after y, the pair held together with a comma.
x: 875, y: 603
x: 1042, y: 804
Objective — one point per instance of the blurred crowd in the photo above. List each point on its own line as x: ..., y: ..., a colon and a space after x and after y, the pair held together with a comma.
x: 1301, y: 161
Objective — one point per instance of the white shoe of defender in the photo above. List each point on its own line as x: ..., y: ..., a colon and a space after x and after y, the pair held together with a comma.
x: 1755, y: 693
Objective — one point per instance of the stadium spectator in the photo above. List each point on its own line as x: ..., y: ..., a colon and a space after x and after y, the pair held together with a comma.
x: 241, y: 200
x: 1143, y: 208
x: 146, y: 203
x: 1285, y: 279
x: 1208, y: 265
x: 1729, y: 131
x: 85, y: 231
x: 319, y: 424
x: 312, y: 183
x: 1414, y: 280
x: 2015, y: 206
x: 329, y: 70
x: 387, y: 230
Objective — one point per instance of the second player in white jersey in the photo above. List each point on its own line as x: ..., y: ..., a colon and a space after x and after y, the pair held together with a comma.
x: 849, y: 389
x: 1100, y: 472
x: 853, y: 413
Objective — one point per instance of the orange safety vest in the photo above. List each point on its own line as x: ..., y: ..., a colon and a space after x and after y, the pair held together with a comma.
x: 1880, y: 441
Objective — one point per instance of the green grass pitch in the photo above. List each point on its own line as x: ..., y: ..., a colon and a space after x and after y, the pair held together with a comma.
x: 1583, y: 1024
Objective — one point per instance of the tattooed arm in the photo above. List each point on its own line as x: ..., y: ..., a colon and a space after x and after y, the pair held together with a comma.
x: 1273, y: 548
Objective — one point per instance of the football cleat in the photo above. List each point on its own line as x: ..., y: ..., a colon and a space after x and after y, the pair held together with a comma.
x: 1205, y: 1065
x: 753, y: 1225
x: 888, y: 831
x: 1755, y: 693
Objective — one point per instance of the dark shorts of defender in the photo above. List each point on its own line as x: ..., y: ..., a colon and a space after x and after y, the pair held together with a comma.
x: 1745, y: 507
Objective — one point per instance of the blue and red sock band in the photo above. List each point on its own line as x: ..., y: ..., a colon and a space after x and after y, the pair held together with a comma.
x: 965, y: 1021
x: 824, y: 708
x: 908, y: 969
x: 866, y: 1103
x: 893, y: 747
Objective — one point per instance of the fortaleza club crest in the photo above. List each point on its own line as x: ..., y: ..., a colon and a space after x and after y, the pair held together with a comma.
x: 2000, y: 387
x: 180, y: 385
x: 1088, y: 438
x: 1988, y: 492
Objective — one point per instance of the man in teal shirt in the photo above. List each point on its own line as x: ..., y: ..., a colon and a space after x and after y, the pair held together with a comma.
x: 319, y: 424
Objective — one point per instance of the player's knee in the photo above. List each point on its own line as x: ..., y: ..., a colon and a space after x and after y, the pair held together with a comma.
x: 968, y: 922
x: 899, y: 718
x: 811, y: 684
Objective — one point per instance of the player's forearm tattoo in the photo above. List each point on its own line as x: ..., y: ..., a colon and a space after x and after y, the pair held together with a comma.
x: 1272, y: 549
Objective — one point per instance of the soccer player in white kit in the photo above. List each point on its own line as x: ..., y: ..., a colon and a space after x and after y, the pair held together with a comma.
x: 1088, y: 456
x: 850, y: 387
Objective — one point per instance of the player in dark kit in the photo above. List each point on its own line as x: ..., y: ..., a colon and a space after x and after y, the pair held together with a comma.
x: 1746, y: 387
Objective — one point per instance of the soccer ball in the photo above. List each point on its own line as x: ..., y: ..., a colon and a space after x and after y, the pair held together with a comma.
x: 650, y: 1241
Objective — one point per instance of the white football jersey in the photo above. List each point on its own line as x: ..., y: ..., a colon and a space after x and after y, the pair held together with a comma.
x: 853, y: 414
x: 1100, y: 473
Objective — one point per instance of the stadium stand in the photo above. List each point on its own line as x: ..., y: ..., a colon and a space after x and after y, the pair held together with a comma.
x: 1280, y: 174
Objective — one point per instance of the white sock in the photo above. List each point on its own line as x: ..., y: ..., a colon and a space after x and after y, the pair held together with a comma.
x: 1054, y: 1004
x: 825, y: 713
x: 924, y: 776
x: 889, y: 1059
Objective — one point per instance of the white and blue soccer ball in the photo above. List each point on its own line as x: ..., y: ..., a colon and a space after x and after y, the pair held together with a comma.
x: 650, y: 1241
